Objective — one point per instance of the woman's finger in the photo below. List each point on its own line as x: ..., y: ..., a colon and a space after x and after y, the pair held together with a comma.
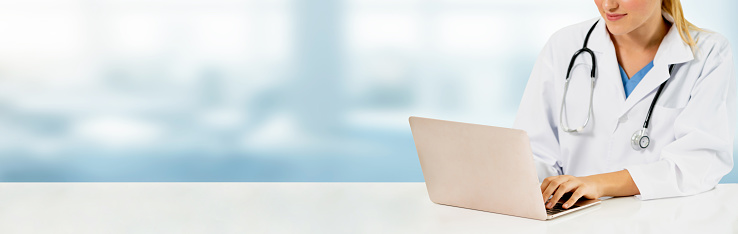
x: 544, y: 185
x: 574, y: 198
x: 552, y: 186
x: 560, y: 191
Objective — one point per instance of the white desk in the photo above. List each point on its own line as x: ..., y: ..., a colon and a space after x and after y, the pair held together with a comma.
x: 326, y: 208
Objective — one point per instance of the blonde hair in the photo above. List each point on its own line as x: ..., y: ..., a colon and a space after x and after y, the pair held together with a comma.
x: 674, y: 8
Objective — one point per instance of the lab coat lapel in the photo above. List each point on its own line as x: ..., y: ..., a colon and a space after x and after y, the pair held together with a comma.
x: 671, y: 51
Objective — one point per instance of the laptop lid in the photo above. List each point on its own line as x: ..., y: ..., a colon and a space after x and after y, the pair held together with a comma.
x: 478, y: 167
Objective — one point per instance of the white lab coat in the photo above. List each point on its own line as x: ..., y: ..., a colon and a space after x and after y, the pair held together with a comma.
x: 691, y: 128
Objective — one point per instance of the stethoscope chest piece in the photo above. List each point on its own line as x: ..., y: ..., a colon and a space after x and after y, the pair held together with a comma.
x: 640, y: 139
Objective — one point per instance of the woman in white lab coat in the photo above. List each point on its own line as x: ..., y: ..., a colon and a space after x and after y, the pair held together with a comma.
x: 691, y: 126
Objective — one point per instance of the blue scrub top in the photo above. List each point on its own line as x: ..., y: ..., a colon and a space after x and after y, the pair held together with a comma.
x: 630, y: 84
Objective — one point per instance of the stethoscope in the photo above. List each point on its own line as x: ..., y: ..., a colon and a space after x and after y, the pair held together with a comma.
x: 640, y: 139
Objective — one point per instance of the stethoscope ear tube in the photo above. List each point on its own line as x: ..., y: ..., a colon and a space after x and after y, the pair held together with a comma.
x: 571, y: 63
x: 593, y: 72
x: 564, y: 125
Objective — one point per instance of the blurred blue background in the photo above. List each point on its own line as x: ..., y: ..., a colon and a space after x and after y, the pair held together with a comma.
x: 263, y: 90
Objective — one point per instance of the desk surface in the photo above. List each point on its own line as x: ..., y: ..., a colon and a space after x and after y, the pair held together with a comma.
x: 326, y: 208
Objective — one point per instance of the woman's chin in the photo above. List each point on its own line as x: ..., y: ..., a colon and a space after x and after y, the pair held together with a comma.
x: 617, y: 29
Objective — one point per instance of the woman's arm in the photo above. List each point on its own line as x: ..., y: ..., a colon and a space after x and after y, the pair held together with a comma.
x: 614, y: 184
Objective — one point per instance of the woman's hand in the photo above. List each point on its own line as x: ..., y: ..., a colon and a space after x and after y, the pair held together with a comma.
x: 560, y: 185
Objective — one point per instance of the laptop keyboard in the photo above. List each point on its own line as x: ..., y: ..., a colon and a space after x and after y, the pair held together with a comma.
x: 558, y: 209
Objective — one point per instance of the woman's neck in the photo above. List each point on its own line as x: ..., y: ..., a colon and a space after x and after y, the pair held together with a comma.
x: 645, y: 38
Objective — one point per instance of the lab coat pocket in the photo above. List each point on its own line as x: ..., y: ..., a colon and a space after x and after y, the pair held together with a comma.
x: 661, y: 126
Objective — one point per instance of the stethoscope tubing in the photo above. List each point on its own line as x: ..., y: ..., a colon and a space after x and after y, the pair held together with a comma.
x: 564, y: 124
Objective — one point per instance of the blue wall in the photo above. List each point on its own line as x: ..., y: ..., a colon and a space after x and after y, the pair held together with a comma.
x: 263, y: 90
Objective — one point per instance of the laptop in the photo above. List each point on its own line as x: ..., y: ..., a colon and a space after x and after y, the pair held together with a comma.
x: 483, y: 168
